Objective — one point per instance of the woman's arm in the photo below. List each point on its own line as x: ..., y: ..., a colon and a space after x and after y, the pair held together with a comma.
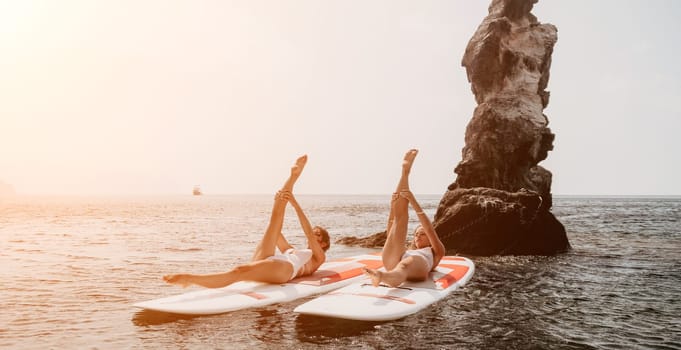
x: 318, y: 255
x: 435, y: 243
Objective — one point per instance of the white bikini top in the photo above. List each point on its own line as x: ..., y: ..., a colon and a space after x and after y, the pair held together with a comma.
x: 298, y: 258
x: 426, y: 253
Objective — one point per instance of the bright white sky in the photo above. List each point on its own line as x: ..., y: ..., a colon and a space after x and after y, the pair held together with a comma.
x: 153, y: 97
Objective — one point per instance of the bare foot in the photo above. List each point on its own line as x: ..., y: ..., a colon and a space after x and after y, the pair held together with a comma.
x: 375, y: 276
x: 297, y: 168
x: 180, y: 279
x: 403, y: 184
x: 409, y: 160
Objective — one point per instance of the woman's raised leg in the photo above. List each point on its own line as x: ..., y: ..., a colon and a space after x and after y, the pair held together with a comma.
x: 268, y: 244
x: 395, y: 244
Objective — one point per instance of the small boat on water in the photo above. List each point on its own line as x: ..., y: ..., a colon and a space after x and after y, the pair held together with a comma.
x: 197, y: 191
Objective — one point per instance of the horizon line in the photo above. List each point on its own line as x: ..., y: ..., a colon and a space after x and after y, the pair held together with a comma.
x: 2, y: 196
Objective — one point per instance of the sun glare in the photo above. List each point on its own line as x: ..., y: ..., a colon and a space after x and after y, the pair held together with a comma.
x: 15, y: 17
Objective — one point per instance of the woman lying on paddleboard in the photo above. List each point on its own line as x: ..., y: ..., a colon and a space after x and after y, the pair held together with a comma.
x: 267, y: 264
x: 402, y: 264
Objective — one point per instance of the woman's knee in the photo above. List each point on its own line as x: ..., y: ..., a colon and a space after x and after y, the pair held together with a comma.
x: 242, y: 269
x: 392, y: 254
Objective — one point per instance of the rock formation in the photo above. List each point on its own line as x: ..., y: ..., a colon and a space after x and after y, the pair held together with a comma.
x: 500, y: 202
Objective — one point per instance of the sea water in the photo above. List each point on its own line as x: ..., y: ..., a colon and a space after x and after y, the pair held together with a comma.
x: 71, y: 268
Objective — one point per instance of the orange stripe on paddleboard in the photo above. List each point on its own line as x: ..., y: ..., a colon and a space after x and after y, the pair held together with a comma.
x: 458, y: 271
x: 254, y: 295
x: 331, y: 276
x: 372, y: 264
x: 379, y: 296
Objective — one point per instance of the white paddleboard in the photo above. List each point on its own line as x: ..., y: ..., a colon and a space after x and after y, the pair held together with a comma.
x: 362, y: 301
x: 331, y: 275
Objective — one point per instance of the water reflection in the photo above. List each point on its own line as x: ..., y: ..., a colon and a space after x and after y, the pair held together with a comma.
x: 151, y: 318
x: 318, y: 330
x: 272, y: 323
x: 238, y: 328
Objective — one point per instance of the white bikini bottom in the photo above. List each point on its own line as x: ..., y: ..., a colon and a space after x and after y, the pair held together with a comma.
x: 296, y: 257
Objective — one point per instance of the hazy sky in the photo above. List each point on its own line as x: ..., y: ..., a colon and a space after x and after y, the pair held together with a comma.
x: 153, y: 97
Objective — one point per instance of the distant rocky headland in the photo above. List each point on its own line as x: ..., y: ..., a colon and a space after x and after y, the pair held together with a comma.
x: 500, y: 202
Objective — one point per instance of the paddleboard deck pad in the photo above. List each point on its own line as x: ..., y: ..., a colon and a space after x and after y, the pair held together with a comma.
x: 241, y: 295
x: 362, y: 301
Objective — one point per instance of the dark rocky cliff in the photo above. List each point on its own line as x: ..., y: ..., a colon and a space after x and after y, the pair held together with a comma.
x: 500, y: 201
